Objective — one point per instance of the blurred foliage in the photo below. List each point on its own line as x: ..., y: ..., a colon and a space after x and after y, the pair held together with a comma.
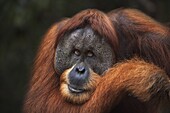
x: 23, y: 23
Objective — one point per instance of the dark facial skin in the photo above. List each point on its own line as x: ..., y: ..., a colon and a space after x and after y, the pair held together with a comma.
x: 84, y: 45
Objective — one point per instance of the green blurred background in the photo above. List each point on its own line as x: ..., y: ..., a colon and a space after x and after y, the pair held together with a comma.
x: 23, y: 23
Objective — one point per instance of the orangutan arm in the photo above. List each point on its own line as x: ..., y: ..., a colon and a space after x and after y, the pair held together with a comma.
x: 144, y: 81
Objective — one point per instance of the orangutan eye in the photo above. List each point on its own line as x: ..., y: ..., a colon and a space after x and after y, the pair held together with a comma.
x: 90, y: 54
x: 76, y: 52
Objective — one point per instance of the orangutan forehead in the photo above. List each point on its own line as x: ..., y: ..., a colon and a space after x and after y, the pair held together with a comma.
x: 86, y: 33
x: 83, y: 31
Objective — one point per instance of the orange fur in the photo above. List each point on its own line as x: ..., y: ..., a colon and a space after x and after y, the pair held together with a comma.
x: 136, y: 77
x: 140, y: 35
x: 141, y: 79
x: 146, y: 83
x: 97, y: 20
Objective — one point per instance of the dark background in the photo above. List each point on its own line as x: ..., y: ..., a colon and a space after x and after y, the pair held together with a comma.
x: 23, y: 23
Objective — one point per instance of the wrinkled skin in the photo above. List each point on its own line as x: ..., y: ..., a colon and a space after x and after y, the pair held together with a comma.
x: 84, y: 45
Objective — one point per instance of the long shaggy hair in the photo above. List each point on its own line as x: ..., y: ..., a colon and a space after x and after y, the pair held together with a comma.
x: 131, y: 33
